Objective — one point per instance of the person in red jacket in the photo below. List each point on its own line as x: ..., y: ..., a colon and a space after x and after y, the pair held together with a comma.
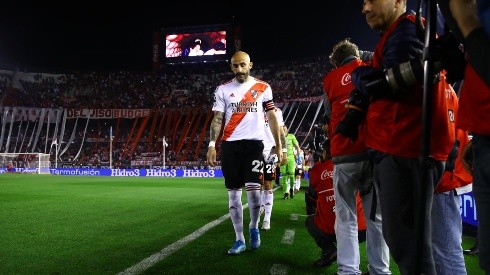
x: 473, y: 20
x: 447, y: 224
x: 404, y: 172
x: 353, y: 171
x: 320, y: 224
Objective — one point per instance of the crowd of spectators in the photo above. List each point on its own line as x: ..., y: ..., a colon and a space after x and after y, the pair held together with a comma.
x: 174, y: 85
x: 188, y: 86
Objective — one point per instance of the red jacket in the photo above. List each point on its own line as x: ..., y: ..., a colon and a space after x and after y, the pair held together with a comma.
x: 338, y: 85
x: 474, y: 111
x: 459, y: 176
x: 321, y: 180
x: 395, y: 127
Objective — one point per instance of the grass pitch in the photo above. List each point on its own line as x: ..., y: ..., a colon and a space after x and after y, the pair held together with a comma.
x: 129, y: 225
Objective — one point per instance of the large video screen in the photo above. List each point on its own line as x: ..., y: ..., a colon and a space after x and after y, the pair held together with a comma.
x: 197, y: 44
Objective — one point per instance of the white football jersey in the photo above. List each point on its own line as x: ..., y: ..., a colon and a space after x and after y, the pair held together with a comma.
x: 243, y: 105
x: 269, y: 138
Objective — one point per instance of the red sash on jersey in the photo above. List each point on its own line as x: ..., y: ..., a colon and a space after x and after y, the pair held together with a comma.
x: 250, y: 96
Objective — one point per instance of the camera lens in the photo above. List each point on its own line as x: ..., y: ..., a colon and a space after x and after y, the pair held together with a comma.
x: 404, y: 75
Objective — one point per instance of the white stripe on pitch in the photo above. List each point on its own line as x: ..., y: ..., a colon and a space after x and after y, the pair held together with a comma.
x: 294, y: 217
x: 167, y: 251
x: 279, y: 269
x: 288, y: 237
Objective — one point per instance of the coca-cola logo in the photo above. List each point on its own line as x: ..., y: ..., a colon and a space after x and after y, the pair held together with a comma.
x: 346, y: 79
x: 326, y: 174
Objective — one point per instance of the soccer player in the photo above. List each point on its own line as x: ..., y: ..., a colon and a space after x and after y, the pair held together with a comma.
x: 298, y: 171
x: 270, y: 157
x: 287, y: 170
x: 242, y: 102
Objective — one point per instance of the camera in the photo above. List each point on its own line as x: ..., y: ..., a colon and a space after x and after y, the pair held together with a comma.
x: 317, y: 144
x: 396, y: 78
x: 392, y: 82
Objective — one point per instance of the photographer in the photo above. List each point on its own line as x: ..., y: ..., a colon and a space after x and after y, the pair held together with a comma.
x: 394, y: 127
x: 353, y: 172
x: 320, y: 204
x: 473, y: 22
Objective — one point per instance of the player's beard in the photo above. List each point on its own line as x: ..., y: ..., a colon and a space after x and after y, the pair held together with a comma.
x: 240, y: 77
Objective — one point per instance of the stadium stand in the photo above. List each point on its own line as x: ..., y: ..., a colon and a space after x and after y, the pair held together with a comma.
x: 38, y: 109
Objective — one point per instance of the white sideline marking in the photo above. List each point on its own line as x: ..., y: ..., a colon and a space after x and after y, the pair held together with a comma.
x: 167, y: 251
x: 301, y: 215
x: 288, y: 236
x: 279, y: 269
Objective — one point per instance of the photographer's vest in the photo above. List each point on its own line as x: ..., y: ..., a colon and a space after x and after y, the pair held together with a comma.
x: 458, y: 177
x: 395, y: 127
x: 338, y: 86
x: 322, y: 182
x: 474, y: 104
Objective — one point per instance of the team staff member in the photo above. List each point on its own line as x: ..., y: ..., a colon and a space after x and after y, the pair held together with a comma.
x: 474, y: 110
x: 353, y: 172
x: 242, y: 101
x: 394, y: 135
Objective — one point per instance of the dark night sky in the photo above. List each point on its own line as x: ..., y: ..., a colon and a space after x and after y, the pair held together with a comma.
x: 86, y: 35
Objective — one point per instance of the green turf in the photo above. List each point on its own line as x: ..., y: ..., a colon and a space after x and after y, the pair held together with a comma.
x: 105, y: 225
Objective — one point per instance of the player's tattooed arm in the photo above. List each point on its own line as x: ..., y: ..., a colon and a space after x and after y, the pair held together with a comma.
x: 214, y: 130
x: 215, y: 126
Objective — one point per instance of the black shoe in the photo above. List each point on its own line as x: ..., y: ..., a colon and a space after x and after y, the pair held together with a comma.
x: 286, y: 196
x: 326, y: 259
x: 472, y: 251
x: 291, y: 193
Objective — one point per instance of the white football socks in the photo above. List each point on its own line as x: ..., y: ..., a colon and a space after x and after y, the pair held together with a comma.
x: 267, y: 202
x: 254, y: 201
x: 236, y: 212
